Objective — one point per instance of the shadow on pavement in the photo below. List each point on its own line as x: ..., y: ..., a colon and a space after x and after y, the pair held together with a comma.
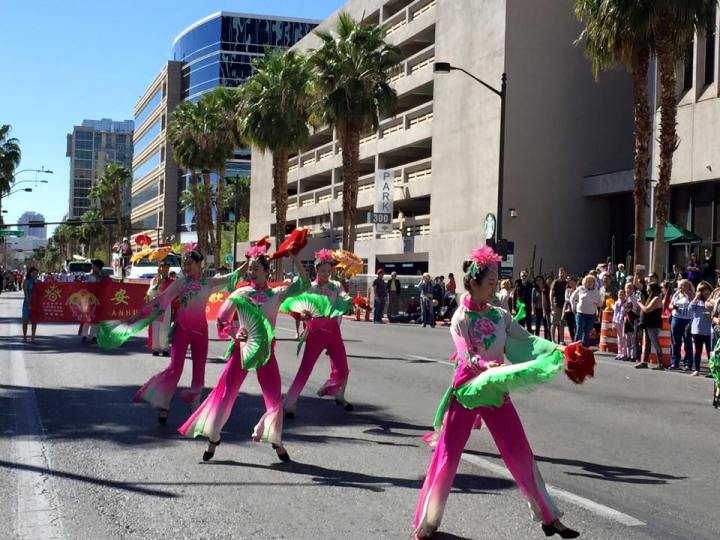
x: 67, y: 344
x: 611, y: 473
x: 344, y: 478
x: 125, y: 486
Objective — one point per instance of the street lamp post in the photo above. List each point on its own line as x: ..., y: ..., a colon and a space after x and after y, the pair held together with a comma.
x: 28, y: 189
x: 446, y: 67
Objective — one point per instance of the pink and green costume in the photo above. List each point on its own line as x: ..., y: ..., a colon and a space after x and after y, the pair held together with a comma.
x: 479, y: 393
x: 209, y: 419
x: 190, y: 329
x: 323, y: 333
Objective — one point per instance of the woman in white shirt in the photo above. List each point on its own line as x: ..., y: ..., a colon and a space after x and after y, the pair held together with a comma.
x: 585, y: 302
x: 503, y: 295
x: 681, y: 316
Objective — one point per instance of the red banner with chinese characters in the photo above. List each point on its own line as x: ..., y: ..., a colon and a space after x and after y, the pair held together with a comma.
x: 108, y: 300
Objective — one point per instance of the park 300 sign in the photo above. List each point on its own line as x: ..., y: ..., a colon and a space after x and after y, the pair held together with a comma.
x: 382, y: 214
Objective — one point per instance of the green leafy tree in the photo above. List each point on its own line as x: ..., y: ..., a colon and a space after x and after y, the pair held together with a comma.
x: 90, y: 230
x: 116, y: 176
x: 619, y: 32
x: 102, y: 197
x: 9, y: 160
x: 675, y: 24
x: 353, y: 94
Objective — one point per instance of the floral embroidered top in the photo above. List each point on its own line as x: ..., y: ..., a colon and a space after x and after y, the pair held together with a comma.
x: 335, y: 292
x: 267, y: 298
x: 192, y: 297
x: 480, y: 336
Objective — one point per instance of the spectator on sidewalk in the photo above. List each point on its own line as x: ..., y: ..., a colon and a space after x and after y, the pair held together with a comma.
x: 557, y: 303
x: 680, y: 317
x: 701, y: 325
x: 620, y: 276
x: 380, y: 295
x: 541, y: 306
x: 568, y: 315
x: 523, y: 293
x: 503, y: 296
x: 585, y: 302
x: 426, y: 301
x: 707, y: 267
x: 619, y: 323
x: 651, y: 323
x: 393, y: 291
x: 630, y: 319
x: 451, y: 285
x: 608, y: 291
x: 693, y: 269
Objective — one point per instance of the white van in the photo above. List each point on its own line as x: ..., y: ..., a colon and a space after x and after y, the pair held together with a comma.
x: 147, y: 269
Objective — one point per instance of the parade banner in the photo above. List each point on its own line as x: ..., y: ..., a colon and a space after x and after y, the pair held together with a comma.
x: 86, y: 302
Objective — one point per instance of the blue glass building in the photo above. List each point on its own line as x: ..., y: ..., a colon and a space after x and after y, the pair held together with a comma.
x: 218, y: 51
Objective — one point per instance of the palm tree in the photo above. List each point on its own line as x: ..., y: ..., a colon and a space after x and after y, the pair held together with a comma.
x: 675, y: 25
x: 618, y: 32
x: 353, y: 93
x: 61, y: 238
x: 274, y: 116
x: 183, y: 135
x: 102, y: 197
x: 224, y: 138
x: 90, y: 230
x: 117, y: 176
x: 9, y: 160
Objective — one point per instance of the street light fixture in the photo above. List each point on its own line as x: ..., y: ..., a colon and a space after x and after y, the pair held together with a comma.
x: 28, y: 189
x: 446, y: 67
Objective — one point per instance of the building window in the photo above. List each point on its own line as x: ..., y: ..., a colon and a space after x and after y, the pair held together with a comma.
x: 149, y: 222
x: 151, y: 133
x: 146, y: 166
x: 710, y: 36
x: 688, y: 68
x: 145, y: 195
x: 149, y: 107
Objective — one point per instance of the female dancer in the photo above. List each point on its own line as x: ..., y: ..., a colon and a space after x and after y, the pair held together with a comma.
x: 482, y: 335
x: 159, y: 330
x: 209, y: 419
x: 190, y: 330
x: 324, y: 334
x: 27, y: 288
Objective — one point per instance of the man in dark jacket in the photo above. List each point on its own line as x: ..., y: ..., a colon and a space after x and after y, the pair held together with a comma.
x: 557, y: 304
x: 523, y: 293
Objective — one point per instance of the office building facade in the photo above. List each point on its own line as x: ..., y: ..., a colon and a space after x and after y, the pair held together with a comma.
x: 91, y: 147
x: 32, y: 232
x: 442, y: 144
x: 215, y: 51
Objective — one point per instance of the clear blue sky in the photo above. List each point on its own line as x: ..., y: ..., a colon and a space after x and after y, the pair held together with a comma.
x: 65, y: 61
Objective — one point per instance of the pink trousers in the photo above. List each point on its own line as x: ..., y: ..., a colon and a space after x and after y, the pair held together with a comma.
x: 209, y: 419
x: 323, y: 334
x: 507, y: 431
x: 159, y: 390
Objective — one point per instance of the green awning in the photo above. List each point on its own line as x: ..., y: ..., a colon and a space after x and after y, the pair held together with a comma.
x: 673, y: 233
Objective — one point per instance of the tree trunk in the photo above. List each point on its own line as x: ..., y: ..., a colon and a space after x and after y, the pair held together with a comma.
x: 643, y: 128
x: 199, y: 228
x: 207, y: 204
x: 350, y: 142
x: 280, y: 190
x: 668, y: 138
x: 219, y: 215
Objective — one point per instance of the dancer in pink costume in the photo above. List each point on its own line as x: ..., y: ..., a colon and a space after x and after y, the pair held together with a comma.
x: 482, y: 335
x: 323, y: 333
x: 209, y: 419
x: 190, y: 294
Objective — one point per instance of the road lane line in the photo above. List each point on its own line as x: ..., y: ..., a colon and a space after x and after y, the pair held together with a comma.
x: 428, y: 359
x: 37, y: 503
x: 592, y: 506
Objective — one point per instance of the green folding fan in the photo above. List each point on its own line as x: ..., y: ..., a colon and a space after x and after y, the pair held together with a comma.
x: 256, y: 350
x: 317, y: 305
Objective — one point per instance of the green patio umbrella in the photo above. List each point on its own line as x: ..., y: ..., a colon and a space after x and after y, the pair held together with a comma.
x: 673, y: 233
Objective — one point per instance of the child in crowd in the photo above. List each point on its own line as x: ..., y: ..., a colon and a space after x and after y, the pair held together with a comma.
x: 619, y: 322
x: 701, y: 325
x: 630, y: 318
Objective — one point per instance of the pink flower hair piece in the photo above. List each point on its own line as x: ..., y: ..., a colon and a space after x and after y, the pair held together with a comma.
x: 324, y: 256
x: 188, y: 247
x: 484, y: 256
x: 256, y: 251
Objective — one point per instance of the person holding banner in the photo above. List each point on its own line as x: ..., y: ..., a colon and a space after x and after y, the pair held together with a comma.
x: 190, y: 330
x: 257, y: 304
x: 323, y: 333
x: 159, y: 330
x: 88, y: 330
x: 27, y: 288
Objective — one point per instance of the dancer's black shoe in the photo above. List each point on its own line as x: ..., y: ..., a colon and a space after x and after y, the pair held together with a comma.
x: 344, y: 404
x: 290, y: 414
x: 281, y: 453
x: 210, y: 452
x: 553, y: 529
x: 155, y: 353
x: 163, y: 416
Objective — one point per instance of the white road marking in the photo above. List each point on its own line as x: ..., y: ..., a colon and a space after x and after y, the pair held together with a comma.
x: 416, y: 357
x: 592, y: 506
x: 38, y: 514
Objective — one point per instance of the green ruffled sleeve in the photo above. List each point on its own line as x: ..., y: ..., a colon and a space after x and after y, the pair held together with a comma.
x: 342, y: 302
x: 297, y: 286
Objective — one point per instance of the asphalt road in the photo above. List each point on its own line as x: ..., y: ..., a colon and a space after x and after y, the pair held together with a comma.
x: 628, y: 455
